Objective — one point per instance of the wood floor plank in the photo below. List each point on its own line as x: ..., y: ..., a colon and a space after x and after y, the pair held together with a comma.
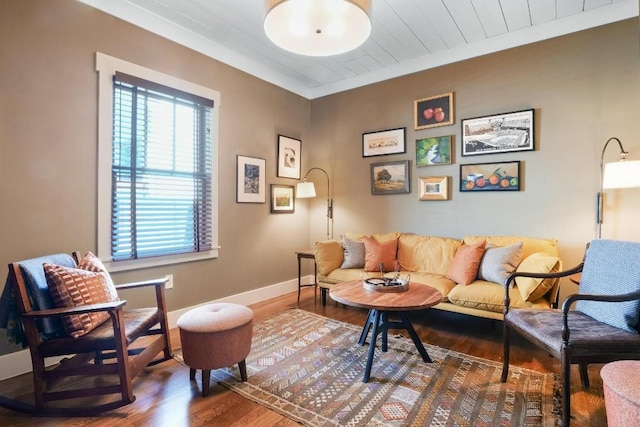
x: 166, y: 397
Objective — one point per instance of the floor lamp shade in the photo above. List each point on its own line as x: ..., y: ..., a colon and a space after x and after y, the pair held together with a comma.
x: 623, y: 174
x: 305, y: 190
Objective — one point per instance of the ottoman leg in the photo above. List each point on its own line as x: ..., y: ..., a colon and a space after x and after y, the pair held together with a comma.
x: 243, y: 369
x: 206, y: 376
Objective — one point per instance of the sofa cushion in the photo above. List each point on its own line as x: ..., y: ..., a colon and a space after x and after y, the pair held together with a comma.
x: 353, y: 253
x: 533, y: 288
x: 489, y: 296
x: 465, y: 265
x: 379, y: 237
x: 329, y: 256
x: 426, y: 253
x: 499, y: 262
x: 379, y: 256
x: 437, y: 281
x: 73, y: 287
x: 530, y: 245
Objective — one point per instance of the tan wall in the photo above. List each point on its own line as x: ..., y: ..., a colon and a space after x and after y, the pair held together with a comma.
x: 584, y: 88
x: 48, y: 151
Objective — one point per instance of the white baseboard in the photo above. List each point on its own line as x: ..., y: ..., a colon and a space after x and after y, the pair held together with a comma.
x: 19, y: 362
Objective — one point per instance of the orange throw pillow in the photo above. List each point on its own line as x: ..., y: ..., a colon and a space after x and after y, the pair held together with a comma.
x: 377, y: 254
x: 466, y: 262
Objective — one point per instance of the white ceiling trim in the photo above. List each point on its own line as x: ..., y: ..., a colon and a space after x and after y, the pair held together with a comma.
x: 144, y: 19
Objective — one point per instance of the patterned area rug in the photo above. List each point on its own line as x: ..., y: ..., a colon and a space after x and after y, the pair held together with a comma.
x: 310, y: 368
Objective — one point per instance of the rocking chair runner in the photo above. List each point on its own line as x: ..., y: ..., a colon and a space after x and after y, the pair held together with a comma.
x: 602, y: 328
x: 85, y: 355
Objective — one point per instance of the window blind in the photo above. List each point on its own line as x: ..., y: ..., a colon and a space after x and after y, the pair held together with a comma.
x: 161, y: 170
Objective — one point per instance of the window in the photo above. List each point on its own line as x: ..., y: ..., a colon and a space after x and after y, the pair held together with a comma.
x: 162, y: 142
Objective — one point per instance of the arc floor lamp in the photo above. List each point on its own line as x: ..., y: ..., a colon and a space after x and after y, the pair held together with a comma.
x: 621, y: 174
x: 306, y: 189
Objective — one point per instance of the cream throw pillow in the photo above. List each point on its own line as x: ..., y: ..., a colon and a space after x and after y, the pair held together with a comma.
x: 533, y: 288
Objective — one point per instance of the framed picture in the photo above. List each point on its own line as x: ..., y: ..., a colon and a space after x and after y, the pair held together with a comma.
x: 288, y: 157
x: 391, y: 141
x: 433, y: 151
x: 390, y: 177
x: 250, y: 183
x: 434, y: 187
x: 500, y: 133
x: 433, y: 111
x: 282, y: 198
x: 503, y: 176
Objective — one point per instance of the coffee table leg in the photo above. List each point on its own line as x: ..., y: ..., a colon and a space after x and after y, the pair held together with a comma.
x: 414, y: 336
x: 385, y: 330
x: 372, y: 345
x: 367, y: 326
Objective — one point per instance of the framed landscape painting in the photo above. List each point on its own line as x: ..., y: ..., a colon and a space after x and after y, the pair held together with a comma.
x: 433, y: 151
x: 498, y: 133
x: 434, y: 188
x: 250, y: 182
x: 390, y: 177
x: 282, y: 198
x: 503, y: 176
x: 391, y: 141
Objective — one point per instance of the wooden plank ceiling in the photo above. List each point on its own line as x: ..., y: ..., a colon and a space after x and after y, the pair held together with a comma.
x: 407, y: 35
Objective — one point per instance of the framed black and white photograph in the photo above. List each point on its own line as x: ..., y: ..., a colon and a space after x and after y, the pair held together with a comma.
x: 390, y: 177
x: 380, y: 143
x: 433, y: 111
x: 433, y: 188
x: 498, y: 133
x: 282, y: 198
x: 250, y: 183
x: 288, y: 157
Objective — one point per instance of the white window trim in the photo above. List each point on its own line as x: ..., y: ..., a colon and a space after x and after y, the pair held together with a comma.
x: 106, y: 66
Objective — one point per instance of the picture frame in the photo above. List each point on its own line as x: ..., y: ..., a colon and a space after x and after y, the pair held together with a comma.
x: 434, y: 151
x: 501, y: 176
x: 384, y: 142
x: 390, y: 177
x: 289, y: 157
x: 434, y: 111
x: 433, y: 188
x: 498, y: 133
x: 282, y: 198
x: 250, y: 182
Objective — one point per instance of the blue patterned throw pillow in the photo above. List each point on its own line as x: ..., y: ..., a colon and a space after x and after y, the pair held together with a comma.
x: 612, y: 267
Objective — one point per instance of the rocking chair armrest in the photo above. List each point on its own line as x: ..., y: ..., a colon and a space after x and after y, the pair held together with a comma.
x: 65, y: 311
x: 152, y: 282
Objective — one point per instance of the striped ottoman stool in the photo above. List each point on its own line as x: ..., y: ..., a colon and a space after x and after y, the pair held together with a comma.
x: 216, y: 336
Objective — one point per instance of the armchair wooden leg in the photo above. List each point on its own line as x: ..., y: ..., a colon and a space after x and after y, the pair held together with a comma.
x: 505, y: 355
x: 565, y: 363
x: 192, y: 374
x: 584, y: 375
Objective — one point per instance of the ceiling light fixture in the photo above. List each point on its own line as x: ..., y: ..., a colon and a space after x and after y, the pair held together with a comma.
x: 318, y: 27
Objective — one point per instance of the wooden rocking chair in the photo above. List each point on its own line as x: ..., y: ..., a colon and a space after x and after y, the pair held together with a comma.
x: 86, y: 355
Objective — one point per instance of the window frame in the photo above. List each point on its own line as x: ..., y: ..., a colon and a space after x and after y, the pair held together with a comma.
x: 106, y: 66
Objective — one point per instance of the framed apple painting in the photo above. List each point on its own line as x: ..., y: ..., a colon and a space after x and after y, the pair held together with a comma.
x: 434, y: 111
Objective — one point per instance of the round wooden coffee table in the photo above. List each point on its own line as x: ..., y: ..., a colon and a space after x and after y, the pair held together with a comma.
x: 380, y: 305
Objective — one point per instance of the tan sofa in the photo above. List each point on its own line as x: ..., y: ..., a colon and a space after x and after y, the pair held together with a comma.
x: 429, y: 260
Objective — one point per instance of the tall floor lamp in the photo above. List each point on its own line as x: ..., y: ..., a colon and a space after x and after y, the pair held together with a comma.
x: 621, y: 174
x: 306, y: 189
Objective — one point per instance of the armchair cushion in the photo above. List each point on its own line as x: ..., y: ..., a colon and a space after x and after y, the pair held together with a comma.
x: 611, y: 268
x: 72, y: 287
x: 533, y: 288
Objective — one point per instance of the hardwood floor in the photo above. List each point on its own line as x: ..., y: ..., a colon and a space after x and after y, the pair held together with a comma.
x: 165, y: 396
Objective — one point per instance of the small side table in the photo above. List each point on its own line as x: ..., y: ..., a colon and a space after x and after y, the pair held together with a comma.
x: 308, y: 254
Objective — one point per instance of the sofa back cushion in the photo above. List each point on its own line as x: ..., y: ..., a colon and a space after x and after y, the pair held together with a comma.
x: 329, y: 256
x: 530, y: 245
x: 426, y: 253
x: 380, y: 237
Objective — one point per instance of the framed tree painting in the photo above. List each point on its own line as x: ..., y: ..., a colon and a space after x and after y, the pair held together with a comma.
x: 390, y: 177
x: 250, y: 182
x: 433, y: 151
x: 288, y: 157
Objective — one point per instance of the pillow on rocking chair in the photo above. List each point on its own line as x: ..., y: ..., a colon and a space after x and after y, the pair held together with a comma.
x: 72, y: 287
